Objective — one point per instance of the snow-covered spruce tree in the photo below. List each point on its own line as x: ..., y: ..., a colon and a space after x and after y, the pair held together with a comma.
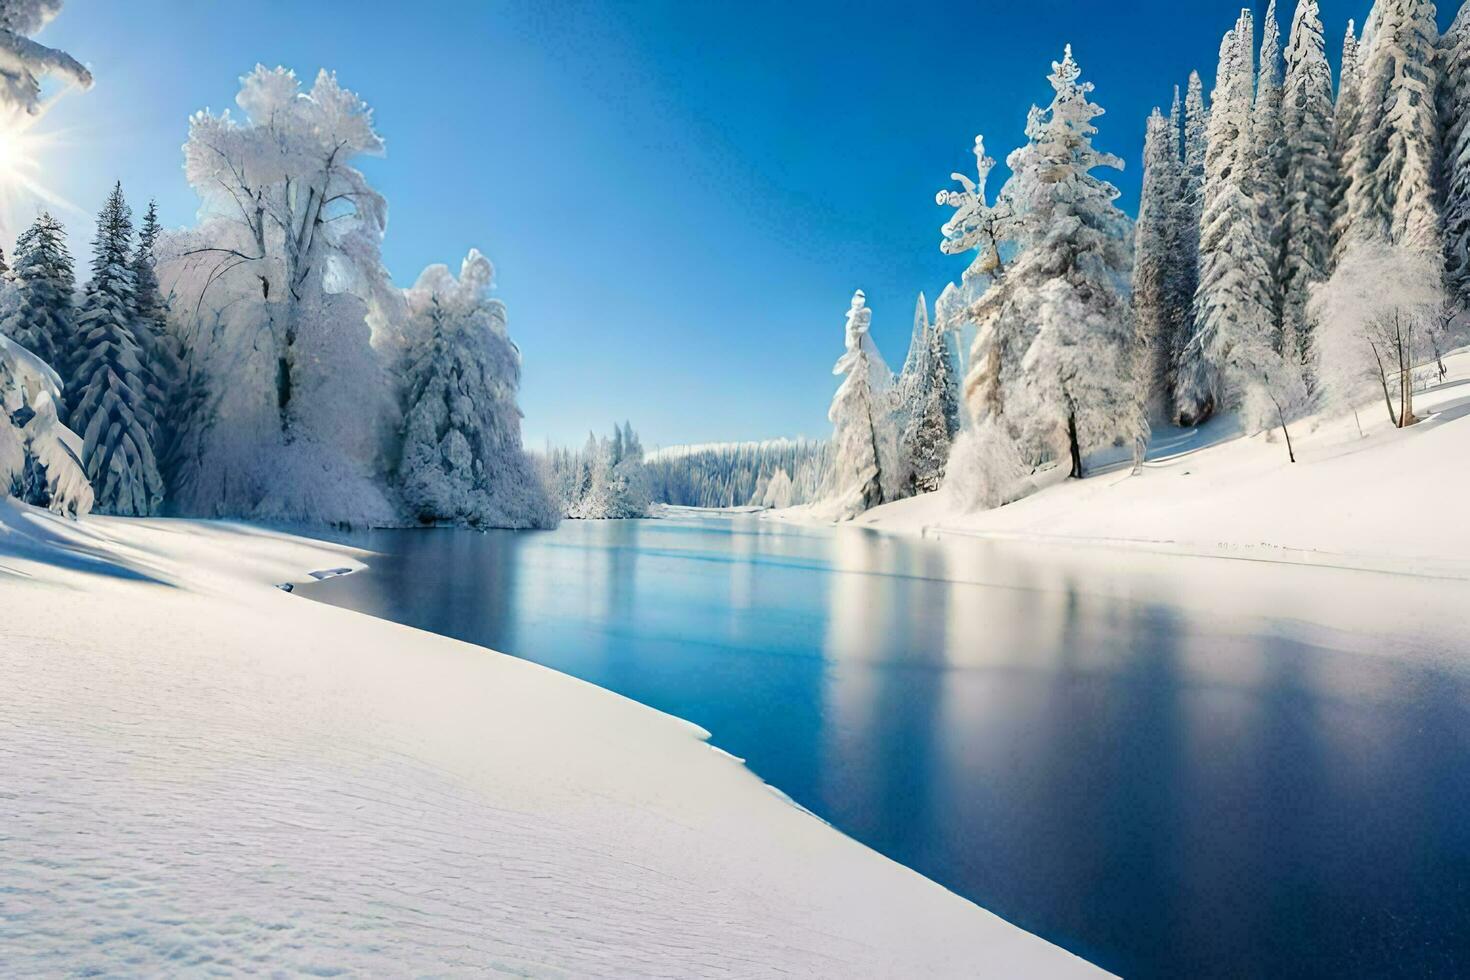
x: 934, y: 420
x: 286, y: 309
x: 1392, y: 192
x: 42, y: 319
x: 977, y: 225
x: 1268, y: 162
x: 910, y: 392
x: 913, y: 377
x: 40, y: 459
x: 23, y: 62
x: 462, y: 459
x: 109, y: 407
x: 1233, y: 299
x: 1159, y: 312
x: 1196, y: 146
x: 1307, y: 227
x: 862, y: 417
x: 985, y: 462
x: 159, y: 350
x: 1074, y: 390
x: 1345, y: 116
x: 1454, y: 114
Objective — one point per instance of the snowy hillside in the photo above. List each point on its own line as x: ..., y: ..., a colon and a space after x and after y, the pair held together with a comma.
x: 1389, y: 499
x: 204, y: 772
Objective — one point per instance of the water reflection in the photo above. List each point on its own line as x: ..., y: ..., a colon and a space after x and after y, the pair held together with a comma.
x: 1172, y: 768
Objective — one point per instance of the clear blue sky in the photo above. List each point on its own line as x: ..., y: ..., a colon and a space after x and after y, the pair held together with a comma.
x: 679, y: 197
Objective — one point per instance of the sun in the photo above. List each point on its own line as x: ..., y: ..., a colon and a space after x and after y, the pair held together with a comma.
x: 23, y: 189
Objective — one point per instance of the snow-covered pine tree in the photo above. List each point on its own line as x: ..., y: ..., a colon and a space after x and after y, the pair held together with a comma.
x: 912, y: 378
x: 40, y: 459
x: 1454, y: 113
x: 1307, y: 118
x: 1075, y: 389
x: 159, y: 351
x: 1196, y: 141
x: 1268, y: 162
x: 982, y: 227
x: 1233, y: 298
x: 462, y: 459
x: 935, y: 419
x: 911, y: 390
x: 43, y: 320
x: 861, y: 415
x: 24, y: 62
x: 109, y: 407
x: 1345, y: 116
x: 1157, y: 313
x: 1191, y: 206
x: 977, y: 225
x: 1393, y: 191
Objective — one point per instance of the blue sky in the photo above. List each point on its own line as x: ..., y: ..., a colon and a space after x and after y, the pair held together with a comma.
x: 679, y: 198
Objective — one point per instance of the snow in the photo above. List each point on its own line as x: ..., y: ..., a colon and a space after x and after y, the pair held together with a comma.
x: 1390, y: 500
x: 205, y: 772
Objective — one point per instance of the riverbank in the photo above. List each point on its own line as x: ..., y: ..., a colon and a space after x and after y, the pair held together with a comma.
x: 1361, y: 495
x: 205, y: 772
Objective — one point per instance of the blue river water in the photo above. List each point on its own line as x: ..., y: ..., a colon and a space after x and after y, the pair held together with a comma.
x: 1170, y: 766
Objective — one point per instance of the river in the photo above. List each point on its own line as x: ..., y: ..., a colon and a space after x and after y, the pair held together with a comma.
x: 1171, y: 766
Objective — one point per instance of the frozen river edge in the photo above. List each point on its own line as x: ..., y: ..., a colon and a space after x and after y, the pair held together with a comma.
x: 208, y: 772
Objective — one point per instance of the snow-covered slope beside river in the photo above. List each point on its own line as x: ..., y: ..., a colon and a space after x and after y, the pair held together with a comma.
x: 202, y: 771
x: 1383, y: 499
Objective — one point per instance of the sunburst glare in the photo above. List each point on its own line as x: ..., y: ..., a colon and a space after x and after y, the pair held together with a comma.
x: 23, y: 154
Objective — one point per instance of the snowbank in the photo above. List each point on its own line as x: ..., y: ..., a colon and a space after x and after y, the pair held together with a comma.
x: 205, y: 772
x: 1387, y: 499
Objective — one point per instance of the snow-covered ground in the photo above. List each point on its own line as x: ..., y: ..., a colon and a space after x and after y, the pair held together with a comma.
x: 1389, y: 499
x: 201, y: 771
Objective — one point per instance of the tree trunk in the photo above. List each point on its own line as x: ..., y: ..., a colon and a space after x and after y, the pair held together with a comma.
x: 1393, y: 418
x: 1281, y: 417
x: 1073, y: 446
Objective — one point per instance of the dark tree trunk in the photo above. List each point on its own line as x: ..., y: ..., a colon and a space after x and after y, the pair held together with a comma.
x: 1073, y: 447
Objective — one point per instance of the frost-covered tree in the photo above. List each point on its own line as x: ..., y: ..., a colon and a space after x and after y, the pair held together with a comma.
x: 934, y: 418
x: 1233, y: 299
x: 1345, y: 117
x: 862, y: 417
x: 1375, y: 317
x: 1307, y: 226
x: 1454, y: 113
x: 779, y: 493
x: 107, y: 391
x: 1191, y: 207
x: 40, y: 459
x: 285, y: 305
x: 41, y: 318
x: 462, y: 459
x: 1392, y: 193
x: 607, y: 480
x: 977, y: 225
x: 1160, y: 310
x: 913, y: 378
x: 24, y: 62
x: 1268, y: 160
x: 1069, y: 281
x: 150, y: 327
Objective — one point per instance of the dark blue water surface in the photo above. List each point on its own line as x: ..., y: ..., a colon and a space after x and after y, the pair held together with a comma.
x: 1170, y: 766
